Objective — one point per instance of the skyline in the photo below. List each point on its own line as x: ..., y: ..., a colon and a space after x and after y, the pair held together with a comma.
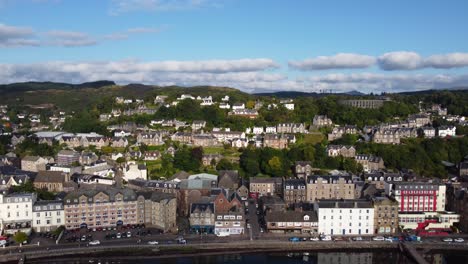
x: 255, y: 46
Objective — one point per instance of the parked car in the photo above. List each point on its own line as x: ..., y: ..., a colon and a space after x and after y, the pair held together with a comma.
x: 119, y: 235
x: 153, y: 242
x: 95, y: 242
x: 459, y: 240
x: 389, y: 239
x: 314, y: 239
x: 294, y: 239
x: 129, y: 234
x: 338, y: 239
x: 3, y: 242
x: 326, y: 238
x: 304, y: 239
x: 378, y: 238
x: 83, y: 238
x: 447, y: 239
x: 357, y: 238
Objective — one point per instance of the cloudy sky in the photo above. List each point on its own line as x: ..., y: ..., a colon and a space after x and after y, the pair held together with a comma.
x: 253, y: 45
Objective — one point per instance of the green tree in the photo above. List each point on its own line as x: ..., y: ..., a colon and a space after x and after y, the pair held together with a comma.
x: 224, y: 164
x: 20, y: 237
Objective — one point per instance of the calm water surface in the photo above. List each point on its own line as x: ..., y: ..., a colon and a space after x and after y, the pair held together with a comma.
x: 392, y: 257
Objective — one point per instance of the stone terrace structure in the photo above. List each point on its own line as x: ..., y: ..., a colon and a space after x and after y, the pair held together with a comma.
x: 294, y: 191
x: 158, y: 209
x: 277, y: 141
x: 329, y: 187
x: 303, y: 169
x: 370, y: 162
x: 341, y: 150
x: 266, y: 186
x: 385, y: 215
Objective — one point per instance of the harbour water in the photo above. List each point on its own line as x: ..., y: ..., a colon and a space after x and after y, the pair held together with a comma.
x: 388, y: 257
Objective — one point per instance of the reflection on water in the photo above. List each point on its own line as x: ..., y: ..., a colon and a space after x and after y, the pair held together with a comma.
x: 387, y: 257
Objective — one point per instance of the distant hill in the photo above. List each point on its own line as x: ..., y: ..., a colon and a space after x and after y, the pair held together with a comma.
x: 78, y: 96
x: 34, y: 86
x: 293, y: 94
x: 432, y: 91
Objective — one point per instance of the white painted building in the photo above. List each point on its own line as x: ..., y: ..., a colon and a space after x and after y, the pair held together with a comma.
x: 447, y: 131
x: 238, y: 106
x: 444, y: 220
x: 289, y: 106
x: 206, y: 101
x: 16, y: 212
x: 257, y: 130
x: 224, y: 106
x: 135, y: 171
x: 48, y: 216
x: 270, y: 130
x: 345, y: 217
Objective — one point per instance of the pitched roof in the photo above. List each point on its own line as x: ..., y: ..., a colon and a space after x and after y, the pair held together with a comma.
x: 291, y: 216
x: 50, y: 176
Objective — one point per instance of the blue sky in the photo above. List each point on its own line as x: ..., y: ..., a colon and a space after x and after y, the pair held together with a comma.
x: 252, y: 45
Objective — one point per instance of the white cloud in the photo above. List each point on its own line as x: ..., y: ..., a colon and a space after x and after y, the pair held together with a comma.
x: 144, y: 30
x: 375, y: 82
x: 125, y: 6
x: 446, y: 61
x: 69, y: 38
x: 246, y: 74
x: 138, y: 30
x: 338, y: 61
x: 220, y: 72
x: 13, y: 36
x: 400, y: 60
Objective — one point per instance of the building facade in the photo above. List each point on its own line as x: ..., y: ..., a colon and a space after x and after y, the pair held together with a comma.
x: 48, y: 215
x: 16, y: 212
x: 385, y: 215
x: 345, y: 217
x: 417, y: 196
x: 329, y: 187
x: 100, y: 208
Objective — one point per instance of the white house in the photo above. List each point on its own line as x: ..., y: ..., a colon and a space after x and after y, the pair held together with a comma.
x: 48, y: 216
x: 225, y: 98
x: 16, y: 212
x: 289, y: 106
x: 447, y: 131
x: 115, y: 156
x: 345, y: 217
x: 206, y: 101
x: 238, y: 106
x: 224, y: 106
x: 239, y: 143
x: 270, y: 130
x: 186, y: 96
x: 135, y: 171
x: 121, y: 133
x: 257, y: 130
